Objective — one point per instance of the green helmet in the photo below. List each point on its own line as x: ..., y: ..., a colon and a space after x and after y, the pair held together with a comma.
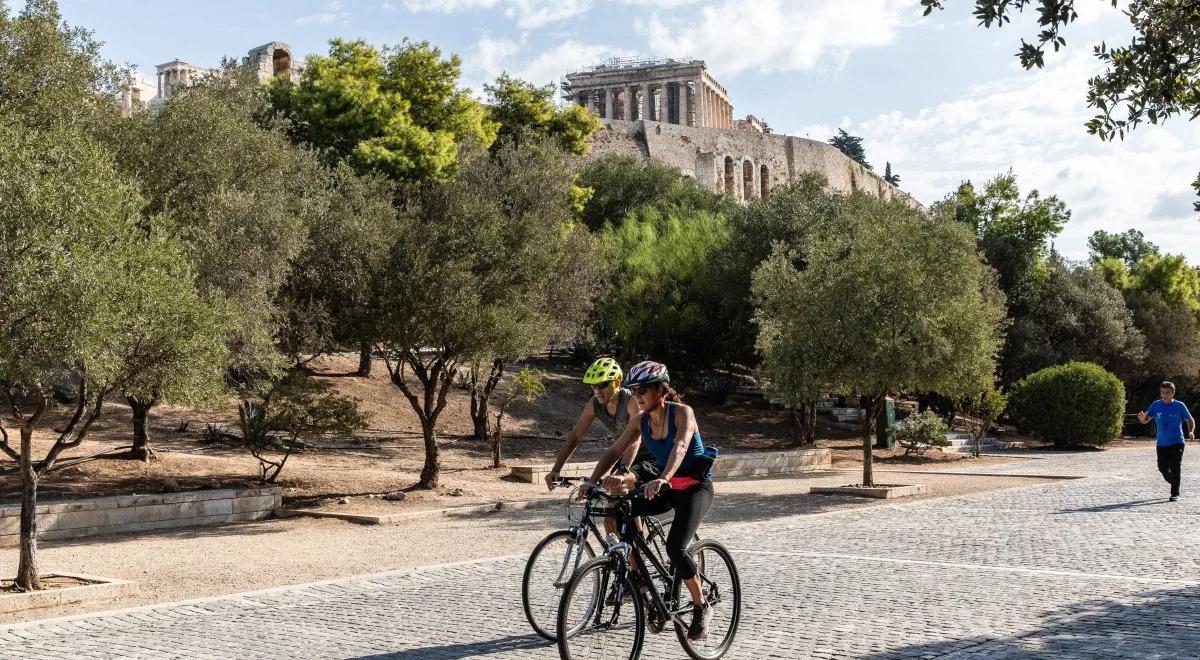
x: 603, y: 370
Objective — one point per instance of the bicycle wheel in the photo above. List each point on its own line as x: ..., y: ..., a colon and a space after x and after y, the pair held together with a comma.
x: 721, y: 586
x: 595, y: 621
x: 549, y: 568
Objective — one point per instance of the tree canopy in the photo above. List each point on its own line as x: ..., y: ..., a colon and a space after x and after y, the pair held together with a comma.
x: 851, y: 145
x: 1129, y: 246
x: 522, y: 109
x: 397, y: 110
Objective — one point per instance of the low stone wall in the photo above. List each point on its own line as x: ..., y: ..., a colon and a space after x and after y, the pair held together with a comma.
x: 758, y: 464
x: 140, y: 513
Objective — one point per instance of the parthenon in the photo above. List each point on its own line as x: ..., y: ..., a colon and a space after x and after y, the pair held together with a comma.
x: 671, y: 91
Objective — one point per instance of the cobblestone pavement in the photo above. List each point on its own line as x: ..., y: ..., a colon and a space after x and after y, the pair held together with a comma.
x: 1089, y: 568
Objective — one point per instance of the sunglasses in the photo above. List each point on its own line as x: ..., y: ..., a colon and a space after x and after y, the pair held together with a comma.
x: 641, y: 389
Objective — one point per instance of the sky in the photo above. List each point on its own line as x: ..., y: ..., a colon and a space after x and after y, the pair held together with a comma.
x: 942, y: 100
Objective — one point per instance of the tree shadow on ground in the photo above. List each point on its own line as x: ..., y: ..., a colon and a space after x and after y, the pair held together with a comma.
x: 465, y: 649
x: 1116, y: 506
x: 1151, y: 624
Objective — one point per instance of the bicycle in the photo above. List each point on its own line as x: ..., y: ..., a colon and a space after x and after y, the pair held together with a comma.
x: 594, y: 621
x: 562, y: 553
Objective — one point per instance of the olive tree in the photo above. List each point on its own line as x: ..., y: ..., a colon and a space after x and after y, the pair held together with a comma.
x: 894, y: 303
x: 481, y: 274
x: 84, y: 277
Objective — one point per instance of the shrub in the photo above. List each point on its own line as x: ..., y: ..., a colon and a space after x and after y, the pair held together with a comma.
x: 1078, y: 403
x: 918, y: 433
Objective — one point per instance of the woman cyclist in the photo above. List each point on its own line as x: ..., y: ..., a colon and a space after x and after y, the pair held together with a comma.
x: 612, y: 404
x: 668, y: 431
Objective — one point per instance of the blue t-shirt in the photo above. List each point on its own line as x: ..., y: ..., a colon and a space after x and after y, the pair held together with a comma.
x: 1168, y: 421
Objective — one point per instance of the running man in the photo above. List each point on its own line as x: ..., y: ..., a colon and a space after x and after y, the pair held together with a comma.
x: 1169, y: 417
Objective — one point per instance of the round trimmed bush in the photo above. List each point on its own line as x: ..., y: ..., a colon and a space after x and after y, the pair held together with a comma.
x: 1073, y: 404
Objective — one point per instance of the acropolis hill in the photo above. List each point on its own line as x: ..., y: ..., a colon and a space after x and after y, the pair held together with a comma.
x: 675, y: 112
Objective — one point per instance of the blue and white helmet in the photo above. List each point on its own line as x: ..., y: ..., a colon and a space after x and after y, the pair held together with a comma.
x: 646, y: 373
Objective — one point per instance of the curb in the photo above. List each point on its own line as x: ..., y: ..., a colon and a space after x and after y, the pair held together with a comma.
x: 100, y: 589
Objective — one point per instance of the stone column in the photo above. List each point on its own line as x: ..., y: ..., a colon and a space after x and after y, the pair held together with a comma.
x: 608, y: 104
x: 701, y: 102
x: 581, y: 99
x: 682, y: 99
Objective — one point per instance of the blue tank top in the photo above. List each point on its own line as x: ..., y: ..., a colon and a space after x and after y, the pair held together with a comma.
x: 661, y: 449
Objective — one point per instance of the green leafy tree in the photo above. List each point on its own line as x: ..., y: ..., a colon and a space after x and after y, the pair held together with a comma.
x: 622, y: 184
x: 898, y: 303
x: 474, y: 273
x: 985, y: 408
x: 1172, y: 332
x: 1152, y: 78
x: 75, y: 297
x: 1115, y: 272
x: 1129, y: 246
x: 51, y: 73
x: 893, y: 179
x: 851, y: 145
x: 664, y: 288
x: 327, y: 300
x: 1171, y: 277
x: 397, y: 110
x: 523, y: 109
x: 1074, y: 314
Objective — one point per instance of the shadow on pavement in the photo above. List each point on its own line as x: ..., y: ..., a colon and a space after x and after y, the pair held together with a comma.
x: 465, y: 650
x: 1116, y: 506
x: 1156, y: 624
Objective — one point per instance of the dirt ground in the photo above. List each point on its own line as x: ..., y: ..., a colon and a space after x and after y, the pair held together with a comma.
x: 389, y: 454
x: 181, y: 564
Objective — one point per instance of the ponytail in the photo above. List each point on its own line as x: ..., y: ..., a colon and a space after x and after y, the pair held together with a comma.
x: 672, y: 395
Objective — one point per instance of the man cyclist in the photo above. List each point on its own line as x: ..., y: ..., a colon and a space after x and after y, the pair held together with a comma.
x: 611, y: 404
x: 668, y: 430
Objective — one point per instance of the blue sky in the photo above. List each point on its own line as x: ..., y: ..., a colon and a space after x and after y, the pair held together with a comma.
x: 939, y: 98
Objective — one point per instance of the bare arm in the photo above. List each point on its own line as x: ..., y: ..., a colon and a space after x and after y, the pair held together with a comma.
x: 1191, y: 424
x: 572, y: 443
x: 631, y: 453
x: 632, y: 432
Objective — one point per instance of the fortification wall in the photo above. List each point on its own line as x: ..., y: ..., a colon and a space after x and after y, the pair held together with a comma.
x: 738, y: 161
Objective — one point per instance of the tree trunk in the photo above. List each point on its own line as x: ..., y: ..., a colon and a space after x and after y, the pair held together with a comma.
x: 27, y: 570
x: 364, y: 359
x: 496, y: 446
x: 429, y: 473
x: 479, y: 415
x: 869, y: 441
x: 141, y: 438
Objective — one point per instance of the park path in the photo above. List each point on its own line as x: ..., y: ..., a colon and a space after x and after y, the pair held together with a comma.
x: 1096, y: 567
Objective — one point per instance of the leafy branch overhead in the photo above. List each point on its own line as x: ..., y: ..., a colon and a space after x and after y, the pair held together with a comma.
x: 1150, y: 79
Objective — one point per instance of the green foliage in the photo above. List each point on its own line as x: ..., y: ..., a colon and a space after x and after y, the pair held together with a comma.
x: 52, y: 74
x: 398, y: 111
x: 1172, y: 333
x: 1155, y: 77
x: 528, y: 384
x: 1074, y: 404
x: 664, y: 287
x: 1130, y: 246
x: 986, y: 407
x: 272, y: 424
x: 893, y: 179
x: 1115, y: 272
x: 491, y: 264
x: 791, y: 215
x: 922, y: 432
x: 328, y: 300
x: 522, y: 108
x: 895, y: 303
x: 1073, y: 314
x: 622, y: 184
x: 851, y: 145
x: 1014, y: 232
x: 241, y: 197
x: 1171, y: 277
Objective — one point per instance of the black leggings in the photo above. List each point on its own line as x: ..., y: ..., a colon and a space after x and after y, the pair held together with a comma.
x: 1170, y: 459
x: 690, y: 505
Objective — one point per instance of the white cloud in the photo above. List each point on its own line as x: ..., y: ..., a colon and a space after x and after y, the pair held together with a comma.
x: 334, y: 12
x: 778, y: 35
x: 528, y: 14
x: 492, y: 56
x: 1032, y: 122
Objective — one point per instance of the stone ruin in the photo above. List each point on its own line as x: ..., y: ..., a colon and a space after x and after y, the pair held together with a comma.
x: 272, y: 59
x: 675, y: 112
